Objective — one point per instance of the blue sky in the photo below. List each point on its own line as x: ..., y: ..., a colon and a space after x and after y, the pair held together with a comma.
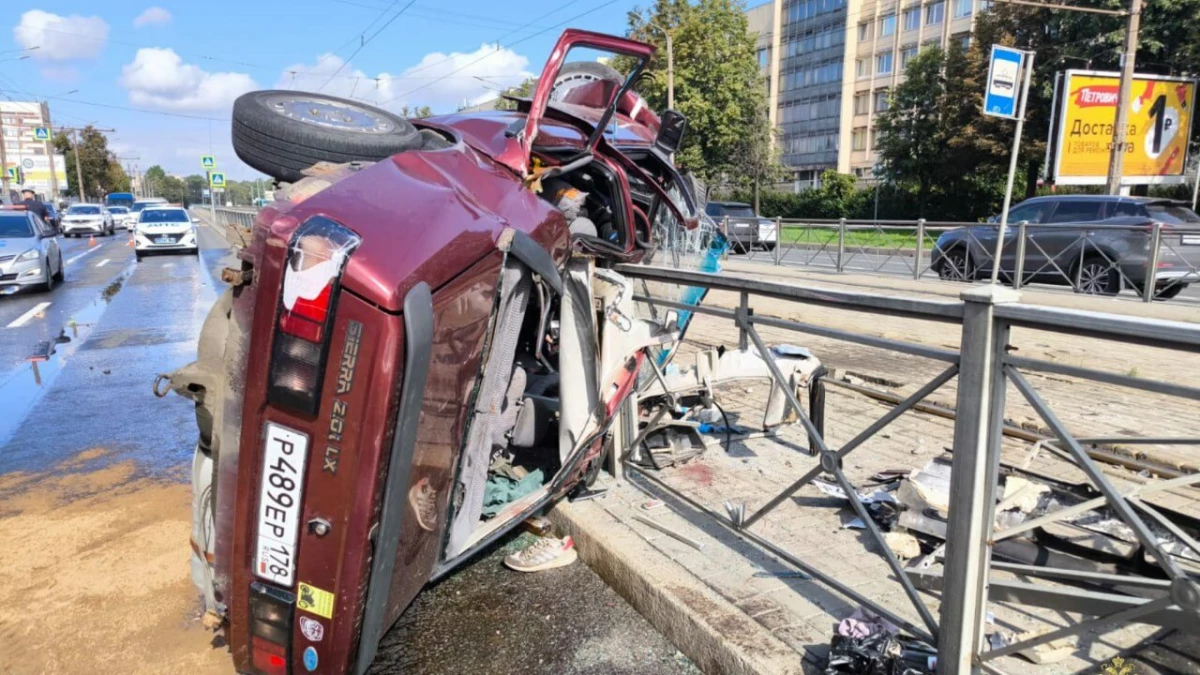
x: 164, y: 75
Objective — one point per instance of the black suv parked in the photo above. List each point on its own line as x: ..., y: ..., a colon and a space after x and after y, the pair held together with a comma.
x: 1096, y: 243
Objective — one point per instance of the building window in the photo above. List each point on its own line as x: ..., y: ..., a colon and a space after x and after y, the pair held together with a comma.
x: 962, y: 8
x: 858, y: 139
x: 985, y: 5
x: 762, y: 58
x: 912, y: 18
x: 864, y: 31
x: 881, y: 100
x: 935, y: 12
x: 964, y: 41
x: 861, y: 69
x: 887, y: 25
x: 883, y: 63
x: 907, y: 54
x: 860, y: 103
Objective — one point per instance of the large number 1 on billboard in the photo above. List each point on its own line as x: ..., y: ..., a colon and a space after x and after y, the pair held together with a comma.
x: 1160, y: 119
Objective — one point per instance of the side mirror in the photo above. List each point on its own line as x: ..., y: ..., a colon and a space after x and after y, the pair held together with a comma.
x: 670, y: 132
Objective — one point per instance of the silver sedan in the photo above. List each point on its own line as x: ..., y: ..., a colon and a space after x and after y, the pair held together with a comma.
x: 29, y: 253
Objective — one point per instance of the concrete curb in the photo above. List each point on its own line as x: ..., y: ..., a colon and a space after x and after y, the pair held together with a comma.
x: 715, y: 634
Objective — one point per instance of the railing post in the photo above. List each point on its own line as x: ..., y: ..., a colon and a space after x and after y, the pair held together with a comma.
x: 778, y: 238
x: 920, y: 248
x: 743, y: 315
x: 1019, y: 272
x: 841, y: 251
x: 973, y: 477
x: 1152, y: 263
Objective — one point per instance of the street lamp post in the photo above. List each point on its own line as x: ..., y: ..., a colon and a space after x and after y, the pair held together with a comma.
x: 670, y: 65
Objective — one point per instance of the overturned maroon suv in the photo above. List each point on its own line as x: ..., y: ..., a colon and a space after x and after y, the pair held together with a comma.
x: 429, y: 306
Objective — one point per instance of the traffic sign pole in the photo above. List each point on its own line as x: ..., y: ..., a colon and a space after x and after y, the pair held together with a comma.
x: 1027, y: 62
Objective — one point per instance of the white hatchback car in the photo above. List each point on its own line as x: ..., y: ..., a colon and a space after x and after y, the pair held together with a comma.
x: 165, y: 228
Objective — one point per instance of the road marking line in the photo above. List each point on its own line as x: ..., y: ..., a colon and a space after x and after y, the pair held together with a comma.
x: 24, y: 318
x: 77, y: 257
x: 102, y: 263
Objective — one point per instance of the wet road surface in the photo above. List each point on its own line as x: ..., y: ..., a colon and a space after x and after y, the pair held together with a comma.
x: 76, y: 367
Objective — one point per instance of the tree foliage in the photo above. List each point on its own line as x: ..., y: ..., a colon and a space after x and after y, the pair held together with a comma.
x: 523, y: 90
x: 102, y: 173
x: 718, y: 86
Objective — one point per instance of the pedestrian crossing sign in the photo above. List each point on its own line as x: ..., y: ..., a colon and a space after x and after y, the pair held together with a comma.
x: 208, y: 161
x: 41, y: 134
x: 217, y: 180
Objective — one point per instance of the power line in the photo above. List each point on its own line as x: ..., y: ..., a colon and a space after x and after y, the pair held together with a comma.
x: 368, y: 40
x: 483, y: 21
x: 507, y: 46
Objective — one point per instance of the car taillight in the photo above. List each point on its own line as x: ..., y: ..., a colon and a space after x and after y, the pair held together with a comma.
x: 316, y: 258
x: 270, y: 628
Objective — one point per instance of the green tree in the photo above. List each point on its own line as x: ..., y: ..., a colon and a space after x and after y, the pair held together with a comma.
x: 523, y: 90
x: 416, y: 112
x: 718, y: 86
x: 195, y: 188
x: 910, y: 134
x: 101, y: 172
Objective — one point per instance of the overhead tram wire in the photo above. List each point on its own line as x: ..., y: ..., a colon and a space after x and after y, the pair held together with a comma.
x: 368, y: 40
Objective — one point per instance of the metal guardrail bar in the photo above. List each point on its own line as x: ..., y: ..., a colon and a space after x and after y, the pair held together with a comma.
x: 1143, y: 384
x: 857, y: 338
x: 1150, y: 332
x: 906, y: 307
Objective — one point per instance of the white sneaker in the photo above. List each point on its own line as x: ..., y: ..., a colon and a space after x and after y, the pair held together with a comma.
x: 545, y: 553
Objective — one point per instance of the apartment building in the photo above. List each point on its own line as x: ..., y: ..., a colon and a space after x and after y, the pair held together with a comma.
x: 21, y: 148
x: 831, y: 66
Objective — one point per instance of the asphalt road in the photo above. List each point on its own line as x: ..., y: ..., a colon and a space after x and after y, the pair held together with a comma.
x: 76, y: 367
x: 900, y: 265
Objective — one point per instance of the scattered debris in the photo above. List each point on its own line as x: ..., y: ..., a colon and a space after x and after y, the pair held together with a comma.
x: 539, y: 525
x: 1049, y: 652
x: 1021, y: 494
x: 669, y: 532
x: 652, y: 504
x: 736, y: 511
x: 903, y: 544
x: 782, y: 575
x: 863, y: 623
x: 865, y: 644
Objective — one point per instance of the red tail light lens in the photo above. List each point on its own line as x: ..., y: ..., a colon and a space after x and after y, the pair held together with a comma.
x: 317, y: 256
x: 270, y: 629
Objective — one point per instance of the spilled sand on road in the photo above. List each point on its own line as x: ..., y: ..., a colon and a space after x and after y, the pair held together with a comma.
x: 95, y: 574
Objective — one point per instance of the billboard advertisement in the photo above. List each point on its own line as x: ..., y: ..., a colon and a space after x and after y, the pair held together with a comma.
x: 1160, y: 119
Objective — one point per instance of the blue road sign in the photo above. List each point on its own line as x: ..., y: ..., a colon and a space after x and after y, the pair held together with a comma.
x: 1004, y: 82
x: 208, y: 161
x: 41, y: 134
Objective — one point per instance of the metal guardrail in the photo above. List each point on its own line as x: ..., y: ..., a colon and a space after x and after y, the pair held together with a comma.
x: 237, y: 222
x: 1156, y: 261
x: 984, y: 365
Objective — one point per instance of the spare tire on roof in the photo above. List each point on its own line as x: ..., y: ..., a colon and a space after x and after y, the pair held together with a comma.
x: 282, y: 133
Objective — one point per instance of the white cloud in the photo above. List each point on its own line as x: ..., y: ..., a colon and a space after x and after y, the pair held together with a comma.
x: 61, y: 38
x: 158, y: 78
x: 151, y: 17
x: 432, y: 81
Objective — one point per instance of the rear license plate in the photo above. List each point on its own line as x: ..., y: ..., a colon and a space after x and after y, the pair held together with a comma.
x: 165, y: 240
x: 284, y: 457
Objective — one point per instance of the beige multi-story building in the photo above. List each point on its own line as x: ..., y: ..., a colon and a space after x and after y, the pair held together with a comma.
x: 831, y: 65
x: 19, y: 122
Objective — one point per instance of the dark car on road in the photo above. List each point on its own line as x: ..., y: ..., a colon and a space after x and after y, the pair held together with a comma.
x: 742, y: 225
x: 410, y: 322
x: 1098, y: 244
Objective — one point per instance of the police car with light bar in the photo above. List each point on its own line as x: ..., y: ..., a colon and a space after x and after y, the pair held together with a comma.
x: 165, y: 229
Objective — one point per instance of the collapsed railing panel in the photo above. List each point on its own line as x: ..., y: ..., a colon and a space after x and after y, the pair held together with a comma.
x: 987, y: 366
